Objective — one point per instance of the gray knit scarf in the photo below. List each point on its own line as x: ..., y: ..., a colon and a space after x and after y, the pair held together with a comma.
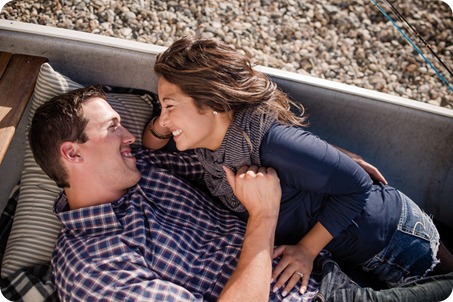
x: 235, y: 151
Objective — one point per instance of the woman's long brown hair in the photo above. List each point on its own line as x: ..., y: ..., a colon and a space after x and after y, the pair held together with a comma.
x: 217, y: 76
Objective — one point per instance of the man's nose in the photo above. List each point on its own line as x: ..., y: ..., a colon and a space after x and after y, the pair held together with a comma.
x: 128, y: 137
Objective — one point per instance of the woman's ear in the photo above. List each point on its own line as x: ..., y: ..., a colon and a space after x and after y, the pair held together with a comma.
x: 69, y: 152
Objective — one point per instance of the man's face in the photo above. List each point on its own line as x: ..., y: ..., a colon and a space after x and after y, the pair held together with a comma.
x: 107, y: 152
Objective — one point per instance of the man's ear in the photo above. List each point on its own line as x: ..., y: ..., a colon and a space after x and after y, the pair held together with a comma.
x: 69, y: 152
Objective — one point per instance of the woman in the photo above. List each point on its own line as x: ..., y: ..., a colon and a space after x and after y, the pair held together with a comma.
x: 231, y: 115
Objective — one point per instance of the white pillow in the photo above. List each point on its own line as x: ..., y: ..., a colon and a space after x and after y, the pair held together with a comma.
x: 35, y: 228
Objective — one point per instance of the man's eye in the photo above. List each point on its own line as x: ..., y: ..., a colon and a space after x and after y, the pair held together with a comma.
x: 169, y: 107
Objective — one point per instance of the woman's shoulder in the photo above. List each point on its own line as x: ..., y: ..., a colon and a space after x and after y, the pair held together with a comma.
x: 285, y: 134
x: 283, y: 140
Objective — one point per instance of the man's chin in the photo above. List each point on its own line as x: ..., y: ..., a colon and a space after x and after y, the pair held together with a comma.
x: 135, y: 179
x: 181, y: 147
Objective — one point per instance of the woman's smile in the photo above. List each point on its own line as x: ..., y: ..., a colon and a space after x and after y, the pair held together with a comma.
x: 176, y: 132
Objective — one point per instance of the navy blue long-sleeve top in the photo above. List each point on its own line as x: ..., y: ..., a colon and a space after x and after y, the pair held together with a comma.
x: 320, y: 183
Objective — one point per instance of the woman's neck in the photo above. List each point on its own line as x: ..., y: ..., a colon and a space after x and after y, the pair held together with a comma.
x: 219, y: 132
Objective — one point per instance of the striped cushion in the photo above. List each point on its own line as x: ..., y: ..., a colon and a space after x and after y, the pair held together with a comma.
x: 35, y: 227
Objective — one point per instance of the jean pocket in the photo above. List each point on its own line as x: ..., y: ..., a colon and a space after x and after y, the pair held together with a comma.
x: 414, y: 221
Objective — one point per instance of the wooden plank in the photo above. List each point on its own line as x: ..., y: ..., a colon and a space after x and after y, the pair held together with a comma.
x: 4, y: 60
x: 16, y: 87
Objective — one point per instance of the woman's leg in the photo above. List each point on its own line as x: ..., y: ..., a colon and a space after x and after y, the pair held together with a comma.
x: 446, y: 261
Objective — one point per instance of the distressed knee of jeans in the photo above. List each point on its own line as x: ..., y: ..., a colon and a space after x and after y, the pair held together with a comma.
x: 434, y: 244
x: 435, y: 249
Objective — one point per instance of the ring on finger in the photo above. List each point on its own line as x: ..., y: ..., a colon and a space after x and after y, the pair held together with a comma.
x: 300, y: 274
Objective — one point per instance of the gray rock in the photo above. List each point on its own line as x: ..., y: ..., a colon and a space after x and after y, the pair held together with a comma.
x: 353, y: 44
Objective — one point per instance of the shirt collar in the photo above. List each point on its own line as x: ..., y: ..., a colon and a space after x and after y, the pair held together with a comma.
x: 98, y: 217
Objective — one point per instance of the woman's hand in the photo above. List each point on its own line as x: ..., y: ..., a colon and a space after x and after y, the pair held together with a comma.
x: 297, y: 260
x: 374, y: 172
x: 296, y: 263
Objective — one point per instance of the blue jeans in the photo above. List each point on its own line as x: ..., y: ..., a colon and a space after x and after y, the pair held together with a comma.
x: 412, y: 250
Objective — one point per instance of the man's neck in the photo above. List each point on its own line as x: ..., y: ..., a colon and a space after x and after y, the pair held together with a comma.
x: 86, y: 198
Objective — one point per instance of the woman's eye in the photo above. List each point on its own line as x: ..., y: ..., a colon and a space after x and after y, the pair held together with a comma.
x: 169, y: 107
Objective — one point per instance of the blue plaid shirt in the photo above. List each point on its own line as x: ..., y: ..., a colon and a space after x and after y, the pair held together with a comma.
x: 162, y: 241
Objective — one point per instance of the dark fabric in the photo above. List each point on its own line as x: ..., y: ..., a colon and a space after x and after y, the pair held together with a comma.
x: 35, y: 284
x: 336, y: 286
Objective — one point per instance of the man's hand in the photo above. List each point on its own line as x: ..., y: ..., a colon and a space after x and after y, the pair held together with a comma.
x: 259, y: 191
x: 257, y: 188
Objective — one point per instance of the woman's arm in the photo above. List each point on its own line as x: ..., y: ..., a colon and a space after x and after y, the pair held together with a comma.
x: 154, y: 135
x: 160, y: 139
x: 306, y: 163
x: 374, y: 173
x: 184, y: 164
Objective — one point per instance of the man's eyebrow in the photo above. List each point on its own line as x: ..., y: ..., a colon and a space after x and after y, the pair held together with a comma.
x: 112, y: 119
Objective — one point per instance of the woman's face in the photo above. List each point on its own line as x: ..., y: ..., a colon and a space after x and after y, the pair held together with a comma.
x: 191, y: 126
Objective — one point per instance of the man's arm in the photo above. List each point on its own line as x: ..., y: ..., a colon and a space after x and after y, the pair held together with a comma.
x: 259, y: 191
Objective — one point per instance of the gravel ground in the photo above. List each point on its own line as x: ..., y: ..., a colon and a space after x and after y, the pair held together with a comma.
x: 344, y: 41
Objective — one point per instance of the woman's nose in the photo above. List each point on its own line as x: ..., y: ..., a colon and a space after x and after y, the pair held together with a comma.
x: 163, y: 118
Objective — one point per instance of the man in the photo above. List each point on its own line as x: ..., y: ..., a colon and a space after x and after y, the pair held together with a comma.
x: 133, y: 227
